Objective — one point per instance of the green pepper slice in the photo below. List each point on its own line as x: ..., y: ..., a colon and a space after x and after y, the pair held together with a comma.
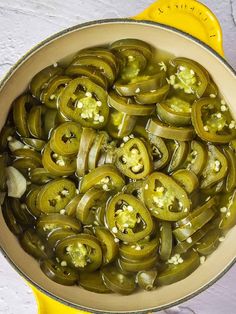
x: 135, y: 188
x: 87, y: 138
x: 189, y: 76
x: 156, y: 127
x: 65, y: 139
x: 160, y: 151
x: 109, y: 247
x: 147, y: 279
x: 187, y: 179
x: 195, y: 221
x: 81, y: 251
x: 139, y: 84
x: 89, y: 203
x: 120, y: 124
x: 50, y: 94
x: 35, y: 122
x: 228, y: 211
x: 55, y: 195
x: 20, y: 114
x: 212, y: 121
x: 216, y: 168
x: 22, y: 214
x: 139, y: 251
x: 128, y: 219
x: 165, y: 199
x: 34, y: 143
x: 100, y: 144
x: 47, y: 223
x: 209, y: 243
x: 166, y: 240
x: 34, y: 245
x: 56, y: 235
x: 56, y: 164
x: 154, y: 96
x: 133, y: 159
x: 179, y: 151
x: 28, y: 153
x: 10, y: 219
x: 105, y: 67
x: 106, y: 176
x: 6, y: 133
x: 211, y: 90
x: 182, y: 268
x: 175, y: 111
x: 40, y: 176
x: 116, y: 281
x: 230, y: 182
x: 130, y: 43
x: 93, y: 282
x: 126, y: 105
x: 138, y: 265
x: 41, y: 79
x: 197, y: 157
x: 31, y: 201
x: 50, y: 121
x: 62, y: 275
x: 85, y: 102
x: 90, y: 72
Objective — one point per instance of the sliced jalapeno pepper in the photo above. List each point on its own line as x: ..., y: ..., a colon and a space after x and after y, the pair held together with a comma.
x: 120, y: 124
x: 55, y: 195
x: 41, y: 79
x: 212, y: 121
x: 154, y: 96
x: 28, y: 153
x: 31, y: 201
x: 3, y: 178
x: 20, y: 114
x: 87, y: 138
x: 48, y: 223
x: 216, y: 168
x: 138, y: 265
x: 22, y: 214
x: 211, y: 90
x: 135, y: 188
x: 139, y: 251
x: 126, y: 105
x: 130, y: 43
x: 160, y: 151
x: 189, y: 76
x: 50, y: 94
x: 40, y: 176
x: 60, y: 274
x: 195, y: 221
x: 89, y: 203
x: 140, y: 84
x: 175, y: 111
x: 10, y: 219
x: 81, y: 251
x: 72, y: 206
x: 179, y: 151
x: 35, y: 122
x: 56, y: 235
x: 90, y: 72
x: 65, y: 139
x: 116, y: 281
x: 187, y: 179
x: 6, y: 133
x: 197, y: 157
x: 133, y: 159
x: 127, y: 218
x: 166, y: 240
x: 109, y: 247
x: 34, y: 245
x: 93, y: 282
x: 50, y: 121
x: 231, y: 176
x: 106, y: 176
x: 209, y: 243
x: 147, y: 279
x: 85, y: 102
x: 228, y: 211
x: 34, y: 143
x: 56, y: 164
x: 156, y: 127
x: 187, y: 264
x: 99, y: 144
x: 165, y: 199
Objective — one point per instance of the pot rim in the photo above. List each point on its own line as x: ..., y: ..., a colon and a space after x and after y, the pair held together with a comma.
x: 11, y: 71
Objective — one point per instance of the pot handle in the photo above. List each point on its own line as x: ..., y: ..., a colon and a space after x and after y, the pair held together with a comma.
x: 47, y: 305
x: 189, y: 16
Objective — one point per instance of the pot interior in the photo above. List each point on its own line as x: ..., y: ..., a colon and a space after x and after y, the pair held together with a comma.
x: 66, y: 44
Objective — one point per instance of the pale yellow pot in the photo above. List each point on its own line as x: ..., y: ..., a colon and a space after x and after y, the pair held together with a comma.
x: 188, y: 15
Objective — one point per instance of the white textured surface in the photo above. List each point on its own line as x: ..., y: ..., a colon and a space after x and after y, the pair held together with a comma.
x: 23, y: 23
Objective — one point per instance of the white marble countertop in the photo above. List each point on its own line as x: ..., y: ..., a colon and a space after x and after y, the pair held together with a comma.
x: 24, y: 23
